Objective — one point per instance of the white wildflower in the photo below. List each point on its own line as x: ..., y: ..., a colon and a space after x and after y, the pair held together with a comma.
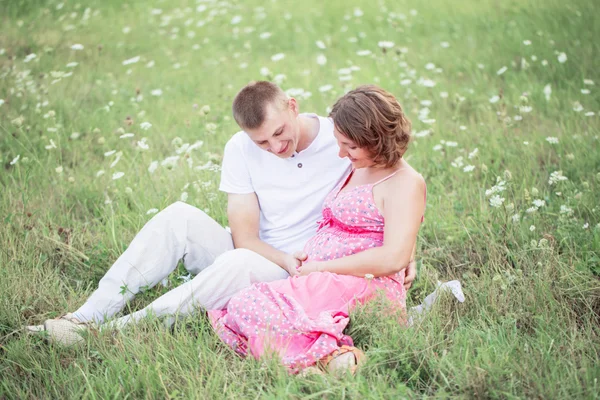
x: 118, y: 175
x: 117, y: 159
x: 15, y: 160
x: 426, y: 82
x: 265, y: 35
x: 555, y: 177
x: 320, y: 44
x: 496, y: 201
x: 499, y: 187
x: 501, y: 70
x: 152, y: 211
x: 458, y: 162
x: 588, y: 82
x: 552, y: 140
x: 277, y: 57
x: 156, y: 92
x: 586, y: 225
x: 527, y: 42
x: 170, y: 162
x: 385, y: 44
x: 236, y: 20
x: 325, y: 88
x: 100, y: 173
x: 562, y: 58
x: 473, y: 154
x: 494, y: 99
x: 516, y: 218
x: 363, y: 53
x: 577, y: 107
x: 468, y: 168
x: 126, y: 135
x: 59, y: 169
x: 145, y: 125
x: 539, y: 203
x: 525, y: 109
x: 142, y: 145
x: 77, y: 46
x: 132, y: 60
x: 153, y: 166
x: 52, y: 145
x: 547, y: 91
x: 264, y: 71
x: 532, y: 228
x: 566, y: 210
x: 321, y: 59
x: 29, y: 57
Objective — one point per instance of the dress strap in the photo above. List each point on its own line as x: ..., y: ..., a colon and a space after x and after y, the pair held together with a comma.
x: 386, y: 178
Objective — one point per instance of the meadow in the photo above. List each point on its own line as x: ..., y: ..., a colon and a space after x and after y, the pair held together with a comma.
x: 110, y: 111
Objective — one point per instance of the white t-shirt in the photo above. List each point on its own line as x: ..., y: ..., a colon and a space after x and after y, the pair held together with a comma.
x: 290, y: 191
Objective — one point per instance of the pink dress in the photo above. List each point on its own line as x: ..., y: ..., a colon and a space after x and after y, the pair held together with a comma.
x: 302, y: 318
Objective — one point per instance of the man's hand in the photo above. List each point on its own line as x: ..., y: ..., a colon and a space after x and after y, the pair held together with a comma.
x: 293, y: 262
x: 410, y: 274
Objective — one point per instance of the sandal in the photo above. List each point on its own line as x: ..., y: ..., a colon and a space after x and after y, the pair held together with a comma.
x: 337, y: 362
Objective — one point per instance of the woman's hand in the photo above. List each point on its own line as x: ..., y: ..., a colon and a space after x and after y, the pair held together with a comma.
x: 293, y: 262
x: 410, y: 273
x: 309, y: 267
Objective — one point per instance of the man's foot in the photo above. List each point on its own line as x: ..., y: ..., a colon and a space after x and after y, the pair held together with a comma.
x: 65, y: 330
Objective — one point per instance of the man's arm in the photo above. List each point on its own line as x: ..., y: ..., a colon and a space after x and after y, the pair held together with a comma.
x: 243, y: 212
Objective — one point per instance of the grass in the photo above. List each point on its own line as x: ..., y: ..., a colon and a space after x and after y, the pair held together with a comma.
x: 530, y: 324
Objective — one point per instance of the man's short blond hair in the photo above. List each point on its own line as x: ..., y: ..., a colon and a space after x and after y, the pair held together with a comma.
x: 249, y: 105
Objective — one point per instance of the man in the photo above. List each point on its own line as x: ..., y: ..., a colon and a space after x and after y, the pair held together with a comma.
x: 276, y: 172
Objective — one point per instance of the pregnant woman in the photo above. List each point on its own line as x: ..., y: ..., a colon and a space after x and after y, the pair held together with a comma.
x: 369, y: 228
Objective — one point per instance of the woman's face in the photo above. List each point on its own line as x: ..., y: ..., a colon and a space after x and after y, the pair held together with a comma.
x: 359, y: 157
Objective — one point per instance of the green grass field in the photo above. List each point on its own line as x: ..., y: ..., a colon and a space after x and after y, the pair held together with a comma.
x: 98, y: 101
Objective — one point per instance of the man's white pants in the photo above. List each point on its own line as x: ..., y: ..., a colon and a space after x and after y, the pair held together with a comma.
x: 178, y: 232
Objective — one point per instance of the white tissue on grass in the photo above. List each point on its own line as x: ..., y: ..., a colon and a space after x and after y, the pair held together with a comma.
x: 417, y: 313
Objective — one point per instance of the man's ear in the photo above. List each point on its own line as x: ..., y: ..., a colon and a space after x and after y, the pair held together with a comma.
x: 293, y: 106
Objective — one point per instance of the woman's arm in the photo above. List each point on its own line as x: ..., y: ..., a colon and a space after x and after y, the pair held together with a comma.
x: 403, y: 208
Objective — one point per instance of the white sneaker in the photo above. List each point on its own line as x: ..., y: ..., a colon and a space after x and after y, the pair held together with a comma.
x: 65, y: 330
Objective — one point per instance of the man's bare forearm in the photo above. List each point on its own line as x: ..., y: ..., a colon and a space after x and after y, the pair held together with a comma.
x: 262, y: 248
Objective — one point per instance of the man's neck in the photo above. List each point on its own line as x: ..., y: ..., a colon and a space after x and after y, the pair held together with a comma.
x: 309, y: 128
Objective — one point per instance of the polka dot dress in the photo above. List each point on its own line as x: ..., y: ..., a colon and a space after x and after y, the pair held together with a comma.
x: 302, y: 319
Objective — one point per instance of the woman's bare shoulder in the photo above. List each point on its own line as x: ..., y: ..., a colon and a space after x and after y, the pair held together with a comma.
x: 407, y: 177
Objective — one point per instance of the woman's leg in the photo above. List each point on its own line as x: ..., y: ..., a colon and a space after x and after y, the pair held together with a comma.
x: 179, y: 231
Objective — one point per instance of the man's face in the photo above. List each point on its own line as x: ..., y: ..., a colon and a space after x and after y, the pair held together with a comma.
x: 280, y: 132
x: 359, y: 157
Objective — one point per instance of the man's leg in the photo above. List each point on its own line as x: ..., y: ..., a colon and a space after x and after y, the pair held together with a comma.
x: 179, y: 231
x: 212, y: 288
